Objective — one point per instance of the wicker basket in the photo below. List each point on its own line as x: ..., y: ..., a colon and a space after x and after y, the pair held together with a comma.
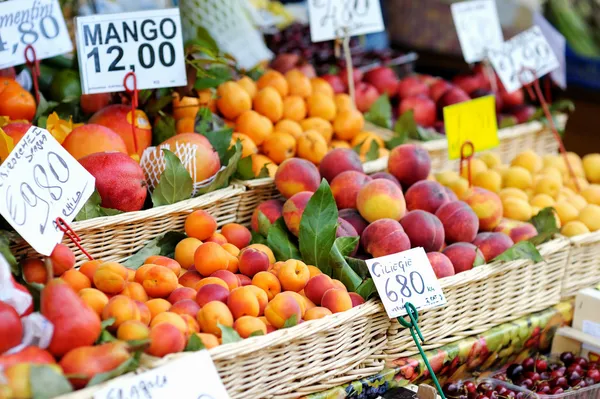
x: 118, y: 237
x: 485, y: 297
x: 583, y: 269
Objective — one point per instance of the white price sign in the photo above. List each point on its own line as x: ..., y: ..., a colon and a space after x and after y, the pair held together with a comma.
x: 526, y: 52
x: 478, y: 28
x: 39, y: 23
x: 193, y: 376
x: 332, y: 19
x: 39, y: 182
x: 406, y: 277
x: 146, y: 42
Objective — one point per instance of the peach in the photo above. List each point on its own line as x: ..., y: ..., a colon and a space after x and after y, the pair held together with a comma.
x: 295, y: 175
x: 464, y: 256
x: 185, y: 250
x: 171, y: 318
x: 282, y: 308
x: 459, y: 220
x: 272, y: 209
x: 293, y: 275
x: 157, y: 306
x: 487, y: 206
x: 357, y: 300
x: 230, y: 279
x: 192, y: 324
x: 423, y: 230
x: 426, y: 195
x: 492, y: 244
x: 236, y: 234
x: 145, y: 315
x: 317, y: 312
x: 159, y: 282
x: 165, y: 338
x: 190, y: 278
x: 253, y: 261
x: 268, y: 282
x: 345, y: 229
x: 211, y: 280
x: 243, y: 302
x: 380, y: 199
x: 181, y: 293
x: 89, y: 268
x: 200, y: 224
x: 384, y: 237
x: 217, y: 238
x: 185, y: 306
x: 121, y: 308
x: 208, y: 340
x: 94, y: 298
x: 211, y: 292
x: 387, y: 176
x: 244, y: 280
x: 353, y: 217
x: 262, y: 297
x: 62, y: 259
x: 346, y: 186
x: 317, y: 286
x: 164, y: 261
x: 304, y: 302
x: 522, y: 232
x: 441, y: 265
x: 293, y: 209
x: 265, y: 249
x: 135, y: 291
x: 76, y: 280
x: 337, y: 161
x: 212, y: 314
x: 336, y: 300
x: 131, y: 330
x: 409, y: 163
x: 110, y: 277
x: 247, y: 325
x: 210, y: 257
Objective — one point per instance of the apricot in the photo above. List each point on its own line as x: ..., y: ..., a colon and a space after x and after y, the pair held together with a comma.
x: 211, y: 280
x: 211, y: 292
x: 217, y: 238
x: 574, y: 228
x: 247, y: 325
x: 321, y: 106
x: 259, y: 162
x: 181, y: 293
x: 248, y: 146
x: 190, y: 278
x: 460, y: 221
x: 338, y: 161
x: 317, y: 286
x: 157, y: 306
x: 265, y: 249
x: 192, y: 324
x: 62, y: 259
x: 426, y: 195
x: 312, y: 146
x: 492, y: 244
x: 293, y: 210
x: 208, y: 340
x: 111, y: 277
x: 321, y: 125
x: 214, y: 313
x: 294, y: 108
x: 135, y: 291
x: 164, y: 261
x: 490, y: 180
x: 463, y: 256
x: 547, y: 184
x: 200, y: 224
x: 233, y: 250
x: 320, y: 85
x: 336, y: 300
x: 279, y: 146
x: 268, y: 102
x: 424, y: 229
x: 293, y: 275
x: 591, y: 167
x: 384, y: 237
x: 210, y: 257
x: 275, y: 267
x: 94, y: 298
x: 289, y: 126
x: 248, y: 85
x: 513, y: 192
x: 145, y: 314
x: 542, y: 201
x: 34, y: 271
x: 268, y: 282
x: 130, y: 275
x: 591, y: 194
x: 165, y: 338
x: 232, y: 100
x: 517, y: 209
x: 348, y: 124
x: 243, y: 301
x: 380, y: 199
x: 343, y: 102
x: 339, y: 144
x: 89, y: 268
x: 275, y: 79
x: 281, y: 308
x: 185, y: 250
x: 313, y: 271
x: 171, y: 318
x: 517, y: 177
x: 590, y: 216
x: 298, y: 83
x: 131, y: 330
x: 261, y: 296
x: 487, y: 206
x: 121, y: 308
x: 254, y: 125
x: 185, y: 306
x: 528, y: 160
x: 159, y: 281
x: 317, y: 312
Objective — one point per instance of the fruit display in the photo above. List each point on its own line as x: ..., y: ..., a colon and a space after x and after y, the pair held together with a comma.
x: 485, y: 389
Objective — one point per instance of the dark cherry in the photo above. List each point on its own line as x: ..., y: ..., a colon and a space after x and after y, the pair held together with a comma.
x: 520, y: 395
x: 561, y: 382
x: 545, y: 375
x: 470, y: 386
x: 582, y: 361
x: 541, y: 365
x: 526, y: 383
x: 567, y: 358
x: 484, y: 387
x: 557, y: 390
x: 513, y: 371
x: 544, y: 389
x: 528, y: 364
x: 581, y: 384
x: 574, y: 376
x: 482, y: 396
x: 575, y: 368
x: 594, y: 374
x: 589, y: 381
x: 592, y: 365
x: 450, y: 388
x: 532, y: 375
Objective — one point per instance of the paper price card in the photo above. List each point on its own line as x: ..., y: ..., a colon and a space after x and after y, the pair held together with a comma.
x: 40, y: 181
x: 478, y: 27
x: 406, y: 277
x: 522, y: 55
x: 39, y: 23
x: 193, y: 376
x: 331, y: 19
x: 147, y: 42
x: 473, y: 121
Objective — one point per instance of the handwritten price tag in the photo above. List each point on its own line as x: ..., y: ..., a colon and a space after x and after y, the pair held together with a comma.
x: 526, y: 52
x: 406, y: 277
x: 146, y: 42
x: 191, y: 377
x: 473, y: 121
x: 331, y: 19
x: 40, y: 181
x: 39, y: 23
x: 478, y: 27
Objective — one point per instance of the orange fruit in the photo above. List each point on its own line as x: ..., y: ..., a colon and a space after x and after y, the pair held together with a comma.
x: 16, y: 102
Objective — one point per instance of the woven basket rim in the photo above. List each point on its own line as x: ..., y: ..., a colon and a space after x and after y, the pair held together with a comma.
x: 585, y: 239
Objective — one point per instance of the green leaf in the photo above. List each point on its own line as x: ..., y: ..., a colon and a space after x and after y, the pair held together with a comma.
x: 359, y: 266
x: 128, y: 365
x: 175, y: 182
x: 107, y: 322
x: 380, y: 113
x: 162, y: 245
x: 257, y: 238
x: 508, y: 121
x: 204, y: 39
x: 546, y: 226
x: 423, y: 134
x: 194, y: 344
x: 224, y: 175
x: 228, y: 334
x: 105, y: 337
x: 163, y: 129
x: 264, y: 171
x: 256, y: 72
x: 244, y: 169
x: 45, y: 382
x: 318, y: 227
x: 280, y: 241
x: 213, y: 77
x: 264, y: 224
x: 373, y: 152
x: 521, y: 250
x: 204, y: 119
x: 44, y: 107
x: 367, y: 289
x: 357, y: 147
x: 157, y: 105
x: 92, y: 209
x: 257, y: 333
x: 221, y: 141
x: 342, y: 247
x: 404, y: 128
x: 5, y: 241
x: 291, y: 322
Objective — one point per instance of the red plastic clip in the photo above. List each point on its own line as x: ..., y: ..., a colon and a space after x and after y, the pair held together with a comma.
x: 133, y: 93
x: 69, y: 232
x: 34, y: 66
x: 466, y: 158
x: 534, y: 89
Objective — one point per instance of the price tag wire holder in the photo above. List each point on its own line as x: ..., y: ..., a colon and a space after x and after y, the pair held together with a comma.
x: 69, y: 232
x: 34, y: 66
x: 466, y: 159
x: 133, y: 95
x: 413, y: 327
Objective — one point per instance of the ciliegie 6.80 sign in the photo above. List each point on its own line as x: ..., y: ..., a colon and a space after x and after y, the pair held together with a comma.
x: 148, y: 43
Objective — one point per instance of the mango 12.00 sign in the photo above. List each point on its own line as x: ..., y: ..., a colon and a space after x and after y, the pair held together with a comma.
x: 147, y: 42
x: 39, y: 182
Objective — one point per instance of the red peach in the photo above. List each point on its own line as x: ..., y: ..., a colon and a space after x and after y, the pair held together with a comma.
x: 190, y: 278
x: 244, y: 280
x: 356, y: 299
x: 236, y: 234
x: 387, y: 176
x: 271, y: 209
x: 384, y: 237
x: 464, y: 256
x: 439, y: 88
x: 423, y: 108
x: 492, y: 244
x: 384, y: 79
x: 317, y: 286
x: 423, y: 230
x: 185, y: 306
x: 409, y: 163
x: 459, y: 220
x: 165, y: 338
x: 380, y: 199
x: 336, y: 300
x: 295, y: 175
x: 353, y: 217
x: 181, y: 293
x: 487, y: 206
x: 212, y: 292
x: 426, y: 195
x: 412, y: 86
x: 253, y: 261
x: 365, y: 94
x: 293, y: 210
x: 345, y: 188
x: 522, y: 232
x: 230, y: 278
x: 337, y: 161
x: 442, y: 266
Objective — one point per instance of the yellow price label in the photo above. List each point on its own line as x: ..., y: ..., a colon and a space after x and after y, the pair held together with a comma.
x: 473, y: 121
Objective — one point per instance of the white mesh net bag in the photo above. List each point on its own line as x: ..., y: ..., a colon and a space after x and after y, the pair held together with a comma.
x: 228, y: 23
